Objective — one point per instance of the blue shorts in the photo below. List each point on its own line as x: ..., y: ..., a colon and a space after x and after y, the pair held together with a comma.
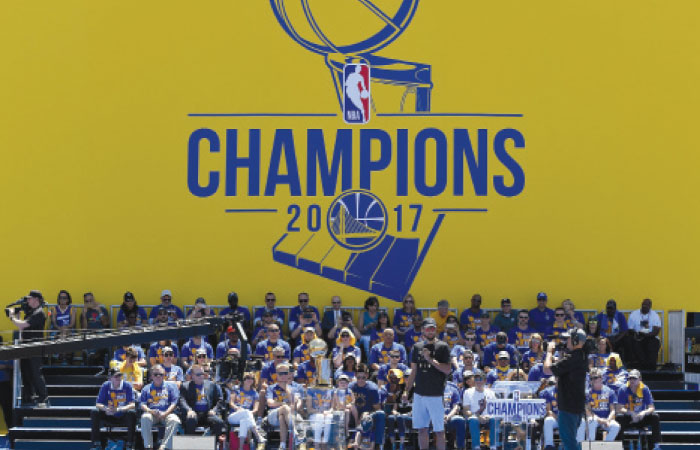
x: 427, y: 410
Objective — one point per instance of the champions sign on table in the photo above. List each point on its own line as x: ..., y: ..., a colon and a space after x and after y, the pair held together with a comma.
x: 516, y: 409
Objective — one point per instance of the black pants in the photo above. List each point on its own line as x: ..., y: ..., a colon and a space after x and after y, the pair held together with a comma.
x: 203, y: 419
x: 128, y: 420
x: 32, y: 380
x: 652, y: 420
x: 6, y: 401
x: 641, y: 352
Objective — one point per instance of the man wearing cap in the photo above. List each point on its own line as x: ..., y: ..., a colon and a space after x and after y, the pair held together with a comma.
x: 474, y: 409
x: 635, y: 407
x: 505, y: 319
x: 271, y: 308
x: 613, y: 325
x: 600, y: 408
x: 200, y: 403
x: 173, y: 372
x: 541, y: 317
x: 166, y: 302
x: 367, y: 400
x: 502, y: 371
x: 520, y: 334
x: 200, y: 309
x: 116, y: 405
x: 470, y: 316
x: 486, y: 333
x: 501, y: 344
x: 158, y: 402
x: 31, y: 327
x: 642, y: 343
x: 241, y: 311
x: 189, y: 349
x: 430, y: 366
x: 571, y: 372
x: 379, y: 354
x: 230, y: 341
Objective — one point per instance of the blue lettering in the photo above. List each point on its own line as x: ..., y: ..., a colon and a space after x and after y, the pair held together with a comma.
x: 193, y: 162
x: 316, y: 152
x: 440, y: 162
x: 367, y: 164
x: 508, y: 161
x: 283, y: 144
x: 402, y: 162
x: 252, y: 162
x: 478, y: 167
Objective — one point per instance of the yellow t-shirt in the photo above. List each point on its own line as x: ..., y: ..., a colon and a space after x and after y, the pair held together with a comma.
x: 441, y: 321
x: 134, y: 374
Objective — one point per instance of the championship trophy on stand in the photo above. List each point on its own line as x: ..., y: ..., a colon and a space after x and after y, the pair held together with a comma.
x: 323, y: 378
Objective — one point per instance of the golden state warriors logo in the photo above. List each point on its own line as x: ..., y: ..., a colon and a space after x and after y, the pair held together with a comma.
x: 357, y: 220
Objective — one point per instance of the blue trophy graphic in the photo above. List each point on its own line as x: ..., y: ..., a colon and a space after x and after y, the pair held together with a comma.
x: 325, y: 28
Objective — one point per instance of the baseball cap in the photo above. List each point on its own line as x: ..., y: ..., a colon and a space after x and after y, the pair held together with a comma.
x: 200, y: 300
x: 230, y: 329
x: 634, y: 374
x: 232, y: 295
x: 429, y: 322
x: 505, y: 301
x: 128, y: 296
x: 542, y: 296
x: 36, y: 294
x: 451, y: 325
x: 342, y: 376
x: 201, y: 351
x: 113, y: 371
x: 312, y: 329
x: 167, y: 348
x: 610, y: 303
x: 503, y: 354
x: 166, y: 292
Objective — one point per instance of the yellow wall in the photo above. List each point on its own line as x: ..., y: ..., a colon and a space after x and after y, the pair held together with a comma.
x: 94, y: 129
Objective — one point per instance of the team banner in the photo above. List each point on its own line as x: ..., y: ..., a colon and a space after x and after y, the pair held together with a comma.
x: 354, y: 147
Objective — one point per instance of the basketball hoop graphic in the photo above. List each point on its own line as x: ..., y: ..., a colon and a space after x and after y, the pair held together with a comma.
x: 312, y: 29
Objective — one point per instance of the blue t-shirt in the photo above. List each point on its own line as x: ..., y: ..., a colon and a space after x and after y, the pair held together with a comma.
x: 321, y: 399
x: 223, y: 347
x: 269, y: 373
x: 602, y: 401
x: 608, y: 327
x: 190, y: 349
x: 302, y: 352
x: 365, y: 397
x: 521, y: 338
x: 379, y: 354
x: 450, y: 339
x: 62, y: 318
x: 492, y: 350
x: 541, y: 320
x: 278, y: 394
x: 451, y: 397
x: 550, y: 395
x: 469, y: 319
x: 635, y: 401
x: 201, y: 404
x: 123, y: 395
x: 154, y: 313
x: 277, y: 316
x: 245, y: 399
x: 498, y: 374
x: 484, y: 338
x: 533, y: 357
x: 121, y: 317
x: 265, y: 347
x: 536, y: 372
x: 305, y: 372
x: 403, y: 320
x: 160, y: 398
x: 555, y: 330
x: 294, y: 314
x: 174, y: 373
x: 411, y: 337
x: 599, y: 360
x: 156, y: 351
x: 339, y: 371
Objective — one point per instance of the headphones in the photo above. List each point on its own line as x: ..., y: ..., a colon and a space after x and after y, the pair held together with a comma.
x: 577, y: 336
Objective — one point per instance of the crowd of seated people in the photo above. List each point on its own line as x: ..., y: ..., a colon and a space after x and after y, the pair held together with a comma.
x: 370, y: 357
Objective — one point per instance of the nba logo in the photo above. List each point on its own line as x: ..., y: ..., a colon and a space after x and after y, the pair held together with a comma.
x: 356, y: 93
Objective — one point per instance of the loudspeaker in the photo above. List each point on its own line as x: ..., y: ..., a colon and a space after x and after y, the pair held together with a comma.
x: 600, y: 445
x: 193, y: 442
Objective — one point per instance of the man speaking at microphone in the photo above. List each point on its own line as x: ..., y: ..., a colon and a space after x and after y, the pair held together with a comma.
x: 571, y: 384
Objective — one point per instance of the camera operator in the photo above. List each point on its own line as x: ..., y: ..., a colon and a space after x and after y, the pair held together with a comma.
x: 571, y: 372
x: 31, y: 327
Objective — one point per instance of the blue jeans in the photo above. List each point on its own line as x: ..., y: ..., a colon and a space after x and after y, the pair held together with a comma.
x: 568, y: 424
x: 378, y: 421
x: 458, y: 424
x: 474, y: 432
x: 400, y: 421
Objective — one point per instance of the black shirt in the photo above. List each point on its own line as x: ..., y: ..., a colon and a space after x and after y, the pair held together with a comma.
x: 429, y: 381
x: 36, y: 320
x: 571, y: 381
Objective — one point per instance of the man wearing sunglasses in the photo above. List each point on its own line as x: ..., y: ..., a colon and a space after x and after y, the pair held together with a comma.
x: 264, y: 348
x: 635, y: 407
x: 600, y: 408
x: 541, y: 317
x: 367, y: 400
x: 158, y: 402
x: 270, y: 307
x: 282, y: 401
x: 173, y: 372
x: 296, y: 313
x: 521, y: 334
x: 115, y: 406
x: 200, y: 403
x: 190, y: 348
x: 414, y: 334
x: 166, y: 303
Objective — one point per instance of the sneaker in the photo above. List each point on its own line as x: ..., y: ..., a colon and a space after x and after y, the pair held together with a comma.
x: 42, y: 405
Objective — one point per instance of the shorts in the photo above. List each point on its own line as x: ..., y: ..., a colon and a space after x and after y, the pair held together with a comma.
x: 427, y: 410
x: 273, y: 418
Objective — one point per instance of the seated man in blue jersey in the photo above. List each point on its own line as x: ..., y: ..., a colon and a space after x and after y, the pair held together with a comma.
x: 502, y: 371
x: 520, y: 334
x: 158, y: 402
x: 155, y: 351
x: 494, y: 349
x: 541, y: 317
x: 297, y: 311
x: 613, y: 325
x: 116, y: 405
x: 379, y: 354
x: 454, y: 421
x: 469, y: 319
x: 270, y: 308
x: 558, y: 326
x: 273, y: 340
x: 201, y: 403
x: 301, y: 352
x: 268, y: 373
x: 166, y: 302
x: 635, y: 407
x: 307, y: 318
x: 485, y: 332
x: 189, y: 349
x: 367, y: 401
x: 600, y: 408
x: 283, y: 401
x: 394, y: 363
x: 260, y: 330
x: 414, y: 334
x: 173, y: 372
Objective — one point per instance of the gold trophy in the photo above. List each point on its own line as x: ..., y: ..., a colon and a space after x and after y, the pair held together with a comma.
x: 323, y: 378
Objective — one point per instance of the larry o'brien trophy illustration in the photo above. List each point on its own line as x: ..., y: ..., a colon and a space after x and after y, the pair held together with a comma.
x: 356, y: 248
x: 323, y: 378
x: 350, y: 32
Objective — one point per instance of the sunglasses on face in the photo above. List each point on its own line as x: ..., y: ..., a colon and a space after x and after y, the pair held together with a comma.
x: 198, y: 374
x: 470, y: 339
x: 157, y: 374
x: 269, y: 299
x: 201, y: 356
x: 168, y: 354
x: 361, y: 377
x: 345, y: 335
x: 559, y: 315
x: 282, y: 373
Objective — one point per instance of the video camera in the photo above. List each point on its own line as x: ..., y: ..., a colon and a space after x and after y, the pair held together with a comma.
x: 231, y: 367
x: 20, y: 305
